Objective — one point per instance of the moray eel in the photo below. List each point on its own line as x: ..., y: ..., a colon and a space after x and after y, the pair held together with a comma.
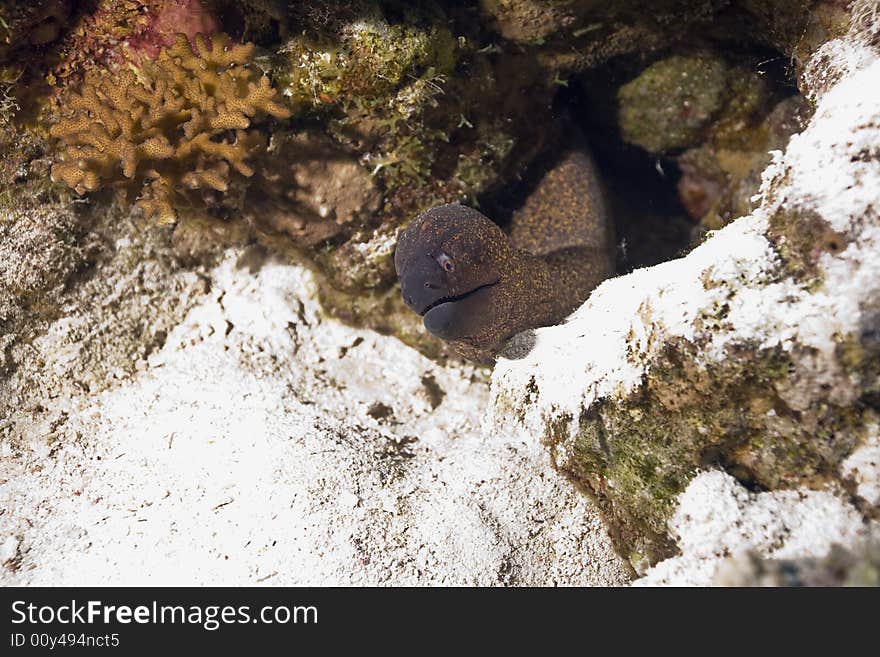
x: 476, y: 285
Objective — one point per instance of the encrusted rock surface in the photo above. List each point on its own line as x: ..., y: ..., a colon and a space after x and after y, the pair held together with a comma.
x: 729, y: 536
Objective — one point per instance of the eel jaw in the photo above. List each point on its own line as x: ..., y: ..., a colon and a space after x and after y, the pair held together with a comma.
x: 460, y: 317
x: 456, y: 298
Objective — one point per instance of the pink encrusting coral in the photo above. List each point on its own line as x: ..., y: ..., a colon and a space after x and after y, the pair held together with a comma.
x: 114, y: 33
x: 168, y: 19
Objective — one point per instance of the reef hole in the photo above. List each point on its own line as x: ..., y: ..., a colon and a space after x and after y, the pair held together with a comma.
x: 680, y: 140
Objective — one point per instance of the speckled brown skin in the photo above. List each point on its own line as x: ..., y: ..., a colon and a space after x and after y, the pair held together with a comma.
x: 477, y: 286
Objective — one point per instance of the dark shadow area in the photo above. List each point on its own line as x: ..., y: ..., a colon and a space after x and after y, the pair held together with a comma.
x: 652, y: 225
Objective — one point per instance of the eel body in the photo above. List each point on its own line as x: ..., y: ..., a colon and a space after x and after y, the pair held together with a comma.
x: 477, y: 285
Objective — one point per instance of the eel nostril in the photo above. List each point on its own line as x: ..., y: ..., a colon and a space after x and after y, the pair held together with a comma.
x: 430, y: 286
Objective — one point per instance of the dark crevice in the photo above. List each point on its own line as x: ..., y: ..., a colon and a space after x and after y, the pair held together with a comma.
x: 652, y: 224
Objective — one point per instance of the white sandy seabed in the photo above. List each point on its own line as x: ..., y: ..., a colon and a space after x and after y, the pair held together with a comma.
x: 266, y: 444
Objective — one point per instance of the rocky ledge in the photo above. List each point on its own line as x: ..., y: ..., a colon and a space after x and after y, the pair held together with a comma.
x: 755, y: 356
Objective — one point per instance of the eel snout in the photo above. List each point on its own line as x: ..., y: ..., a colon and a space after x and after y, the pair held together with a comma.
x: 422, y: 285
x: 424, y: 289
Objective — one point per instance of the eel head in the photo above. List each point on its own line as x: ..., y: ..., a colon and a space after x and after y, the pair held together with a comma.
x: 454, y: 267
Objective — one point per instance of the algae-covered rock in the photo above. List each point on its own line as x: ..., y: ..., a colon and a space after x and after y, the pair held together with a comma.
x: 531, y: 21
x: 840, y: 567
x: 720, y: 177
x: 717, y: 120
x: 674, y: 102
x: 364, y: 60
x: 429, y: 111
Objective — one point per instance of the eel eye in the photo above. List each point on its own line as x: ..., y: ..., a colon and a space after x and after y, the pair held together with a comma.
x: 446, y: 263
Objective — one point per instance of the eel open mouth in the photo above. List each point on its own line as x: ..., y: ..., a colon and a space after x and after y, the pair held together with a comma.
x: 452, y: 299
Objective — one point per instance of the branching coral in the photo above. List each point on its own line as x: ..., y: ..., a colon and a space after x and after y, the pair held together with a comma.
x: 173, y: 129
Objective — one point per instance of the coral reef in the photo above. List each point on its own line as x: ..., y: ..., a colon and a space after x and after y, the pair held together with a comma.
x: 179, y: 132
x: 435, y: 101
x: 754, y: 357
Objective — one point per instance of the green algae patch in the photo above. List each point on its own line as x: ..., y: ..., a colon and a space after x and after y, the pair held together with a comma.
x: 682, y: 100
x: 361, y: 66
x: 637, y: 454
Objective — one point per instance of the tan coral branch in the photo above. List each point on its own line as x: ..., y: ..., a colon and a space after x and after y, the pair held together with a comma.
x: 177, y: 126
